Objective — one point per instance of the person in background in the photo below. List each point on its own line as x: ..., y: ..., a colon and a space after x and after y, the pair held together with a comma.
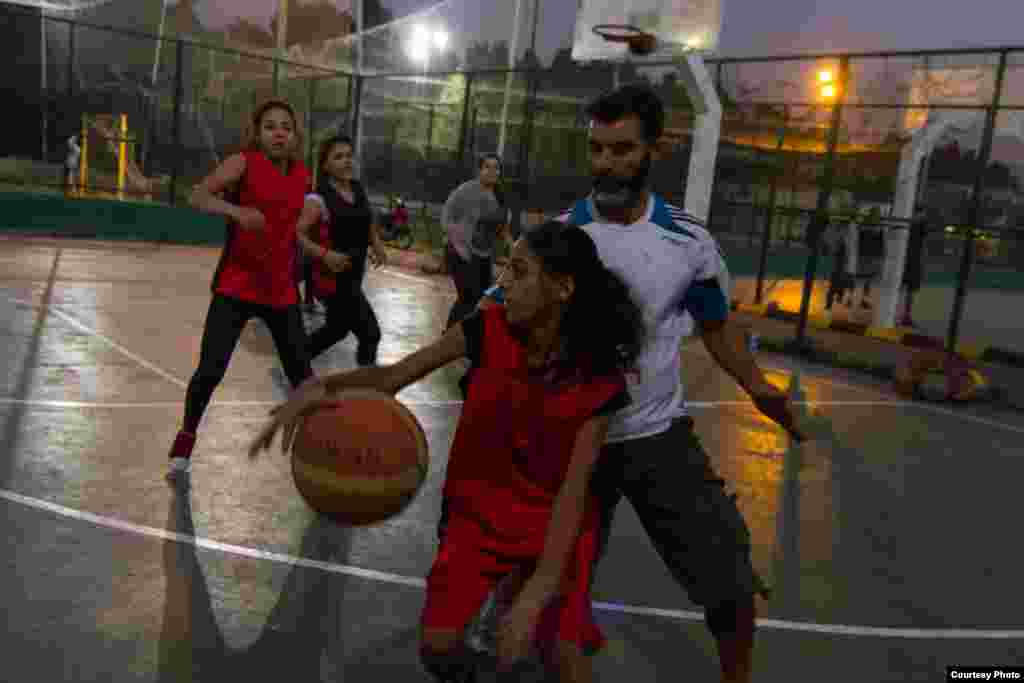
x: 913, y: 269
x: 72, y: 165
x: 472, y: 218
x: 840, y: 280
x: 870, y: 256
x: 338, y: 230
x: 266, y: 184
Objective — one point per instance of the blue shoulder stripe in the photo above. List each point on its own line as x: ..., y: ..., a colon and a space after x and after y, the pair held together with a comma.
x: 682, y: 215
x: 581, y: 213
x: 663, y: 218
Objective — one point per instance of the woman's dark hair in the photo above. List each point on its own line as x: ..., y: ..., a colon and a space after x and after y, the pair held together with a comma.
x: 635, y: 99
x: 251, y: 135
x: 602, y: 328
x: 489, y: 157
x: 499, y: 193
x: 325, y: 149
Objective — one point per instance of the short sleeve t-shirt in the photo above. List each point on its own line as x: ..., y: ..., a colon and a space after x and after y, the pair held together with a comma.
x: 469, y: 216
x: 676, y: 273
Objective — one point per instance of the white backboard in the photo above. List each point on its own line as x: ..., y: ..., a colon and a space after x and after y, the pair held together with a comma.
x: 681, y: 27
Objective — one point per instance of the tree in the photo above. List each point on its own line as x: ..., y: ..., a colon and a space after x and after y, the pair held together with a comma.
x: 375, y: 14
x: 131, y: 58
x: 563, y: 63
x: 250, y: 34
x: 529, y: 61
x: 314, y: 22
x: 483, y: 56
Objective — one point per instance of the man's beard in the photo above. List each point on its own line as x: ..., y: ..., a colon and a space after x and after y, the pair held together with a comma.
x: 615, y: 194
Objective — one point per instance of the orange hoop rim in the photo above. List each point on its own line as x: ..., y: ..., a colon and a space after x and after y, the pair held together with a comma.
x: 628, y: 32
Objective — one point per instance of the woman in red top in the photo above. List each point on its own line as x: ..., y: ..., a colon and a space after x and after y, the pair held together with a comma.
x: 547, y: 371
x: 254, y: 278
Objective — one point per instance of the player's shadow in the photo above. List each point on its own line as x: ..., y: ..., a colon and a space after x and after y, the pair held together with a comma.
x: 294, y: 644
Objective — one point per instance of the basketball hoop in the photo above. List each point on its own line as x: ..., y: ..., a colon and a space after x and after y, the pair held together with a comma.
x: 640, y: 42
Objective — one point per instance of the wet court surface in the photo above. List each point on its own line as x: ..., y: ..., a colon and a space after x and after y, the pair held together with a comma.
x: 891, y: 543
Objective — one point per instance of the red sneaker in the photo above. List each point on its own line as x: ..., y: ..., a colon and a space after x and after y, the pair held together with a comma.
x: 181, y: 454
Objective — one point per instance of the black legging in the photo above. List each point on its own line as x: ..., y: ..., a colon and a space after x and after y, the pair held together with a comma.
x: 471, y: 278
x: 225, y: 321
x: 348, y: 310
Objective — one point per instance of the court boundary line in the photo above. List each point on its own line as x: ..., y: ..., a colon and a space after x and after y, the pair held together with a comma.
x: 101, y: 405
x: 938, y: 410
x: 416, y: 582
x: 82, y: 327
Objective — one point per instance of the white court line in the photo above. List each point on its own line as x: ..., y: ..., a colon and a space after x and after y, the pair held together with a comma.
x: 995, y: 424
x: 176, y: 404
x: 110, y: 342
x: 416, y: 582
x: 100, y: 405
x: 412, y: 278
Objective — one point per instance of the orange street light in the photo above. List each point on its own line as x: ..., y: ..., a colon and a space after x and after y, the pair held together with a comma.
x: 825, y: 76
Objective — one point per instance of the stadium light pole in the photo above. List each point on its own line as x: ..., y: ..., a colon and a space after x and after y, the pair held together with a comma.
x: 832, y: 92
x: 282, y: 27
x: 508, y: 77
x: 426, y: 41
x: 159, y: 41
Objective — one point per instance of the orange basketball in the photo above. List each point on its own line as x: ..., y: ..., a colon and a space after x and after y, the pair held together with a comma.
x: 360, y: 458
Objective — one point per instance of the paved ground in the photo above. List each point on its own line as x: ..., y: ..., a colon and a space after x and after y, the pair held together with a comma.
x: 886, y: 540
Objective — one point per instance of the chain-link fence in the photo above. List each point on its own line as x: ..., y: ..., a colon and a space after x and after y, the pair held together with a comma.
x: 802, y: 176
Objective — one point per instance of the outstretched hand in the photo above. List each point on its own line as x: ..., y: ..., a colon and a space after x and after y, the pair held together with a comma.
x: 288, y: 417
x: 378, y: 257
x: 775, y: 405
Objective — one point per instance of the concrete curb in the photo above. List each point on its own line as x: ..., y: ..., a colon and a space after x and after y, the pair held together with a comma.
x: 901, y: 336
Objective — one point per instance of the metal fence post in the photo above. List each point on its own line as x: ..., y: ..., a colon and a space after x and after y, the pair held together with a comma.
x: 44, y: 92
x: 529, y: 104
x: 526, y: 130
x: 762, y: 264
x: 819, y: 221
x: 274, y: 85
x: 355, y: 107
x: 71, y: 60
x: 974, y: 211
x: 179, y: 94
x: 430, y: 131
x: 310, y: 101
x: 465, y: 119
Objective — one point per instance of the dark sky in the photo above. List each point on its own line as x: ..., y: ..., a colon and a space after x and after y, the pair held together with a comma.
x: 749, y: 26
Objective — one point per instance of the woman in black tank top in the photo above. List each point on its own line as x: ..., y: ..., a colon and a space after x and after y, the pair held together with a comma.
x: 342, y: 203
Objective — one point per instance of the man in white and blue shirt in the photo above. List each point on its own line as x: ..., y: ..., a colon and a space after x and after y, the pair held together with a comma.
x: 678, y: 276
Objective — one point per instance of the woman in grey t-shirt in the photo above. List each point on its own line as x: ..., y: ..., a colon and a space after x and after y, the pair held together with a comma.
x: 473, y: 217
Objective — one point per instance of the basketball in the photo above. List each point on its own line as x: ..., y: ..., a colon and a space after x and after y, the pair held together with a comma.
x: 360, y: 459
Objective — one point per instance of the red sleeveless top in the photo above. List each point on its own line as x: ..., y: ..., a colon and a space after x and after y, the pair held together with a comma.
x: 514, y: 442
x: 258, y: 266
